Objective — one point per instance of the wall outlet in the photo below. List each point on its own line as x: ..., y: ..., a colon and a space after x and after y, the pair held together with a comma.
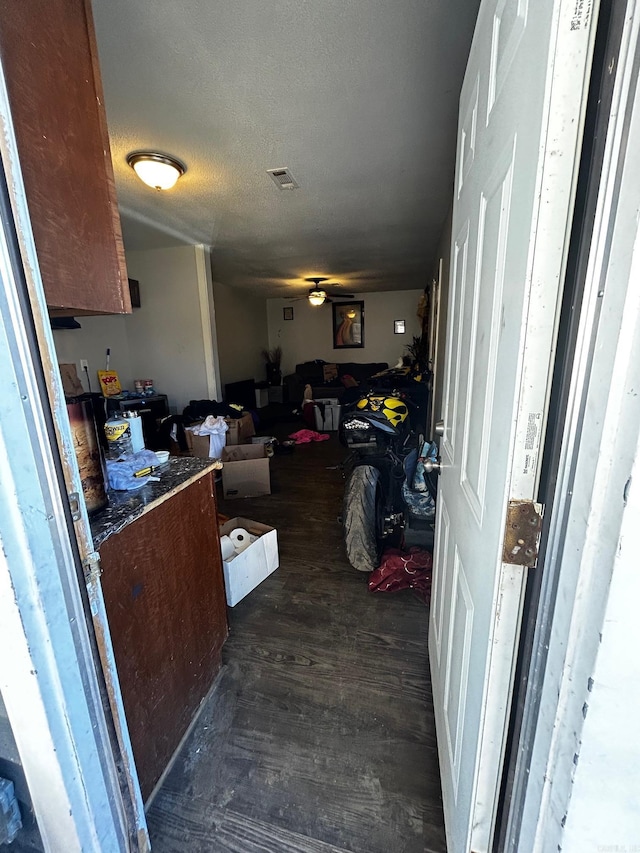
x: 84, y: 364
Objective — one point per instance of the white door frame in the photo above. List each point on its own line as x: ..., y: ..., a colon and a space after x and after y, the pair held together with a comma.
x: 48, y: 679
x: 601, y: 432
x: 49, y: 689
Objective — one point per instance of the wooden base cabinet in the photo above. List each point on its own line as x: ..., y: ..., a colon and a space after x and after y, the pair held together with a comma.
x: 164, y: 595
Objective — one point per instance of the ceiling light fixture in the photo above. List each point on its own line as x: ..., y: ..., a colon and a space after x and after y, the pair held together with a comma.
x: 317, y: 297
x: 156, y: 170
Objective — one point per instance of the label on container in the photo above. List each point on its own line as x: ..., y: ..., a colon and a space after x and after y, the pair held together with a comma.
x: 114, y: 432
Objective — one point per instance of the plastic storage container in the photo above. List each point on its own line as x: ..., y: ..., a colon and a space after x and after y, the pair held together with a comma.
x: 118, y: 433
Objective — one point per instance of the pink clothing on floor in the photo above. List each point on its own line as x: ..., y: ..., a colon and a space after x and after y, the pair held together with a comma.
x: 304, y: 436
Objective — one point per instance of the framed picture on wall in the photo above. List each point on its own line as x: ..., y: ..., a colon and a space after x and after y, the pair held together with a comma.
x: 348, y: 325
x: 287, y: 313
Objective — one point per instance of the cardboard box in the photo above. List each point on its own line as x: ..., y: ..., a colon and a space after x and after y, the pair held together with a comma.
x: 330, y: 420
x: 248, y: 569
x: 240, y: 429
x: 70, y: 383
x: 246, y: 471
x: 198, y: 444
x: 109, y: 383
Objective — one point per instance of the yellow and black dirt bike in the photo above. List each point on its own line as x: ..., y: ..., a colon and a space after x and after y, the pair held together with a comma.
x: 381, y: 429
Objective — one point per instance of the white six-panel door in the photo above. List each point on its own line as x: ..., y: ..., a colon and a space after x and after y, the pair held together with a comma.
x: 519, y: 132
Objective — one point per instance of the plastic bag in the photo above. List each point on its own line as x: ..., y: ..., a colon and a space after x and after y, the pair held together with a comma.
x: 418, y: 499
x: 120, y: 473
x: 215, y: 428
x: 404, y: 570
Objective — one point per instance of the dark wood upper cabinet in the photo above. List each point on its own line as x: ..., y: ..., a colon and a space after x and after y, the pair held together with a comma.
x: 50, y: 61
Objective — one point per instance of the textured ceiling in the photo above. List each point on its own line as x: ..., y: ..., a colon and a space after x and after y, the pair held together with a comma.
x: 357, y: 97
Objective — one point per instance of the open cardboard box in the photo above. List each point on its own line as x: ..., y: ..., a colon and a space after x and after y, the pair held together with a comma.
x: 240, y: 429
x: 197, y: 444
x: 246, y: 471
x: 249, y: 568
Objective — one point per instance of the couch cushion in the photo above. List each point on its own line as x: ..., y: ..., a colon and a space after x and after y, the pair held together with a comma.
x: 348, y: 381
x: 330, y: 372
x: 360, y: 371
x: 311, y: 372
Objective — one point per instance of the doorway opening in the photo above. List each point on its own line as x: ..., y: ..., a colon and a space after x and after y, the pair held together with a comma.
x: 319, y: 734
x: 292, y: 662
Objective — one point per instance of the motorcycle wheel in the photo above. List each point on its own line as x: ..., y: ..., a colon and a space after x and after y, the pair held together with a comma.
x: 362, y: 518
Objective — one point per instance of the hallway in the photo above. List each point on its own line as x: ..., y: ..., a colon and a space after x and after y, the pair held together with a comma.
x: 319, y: 736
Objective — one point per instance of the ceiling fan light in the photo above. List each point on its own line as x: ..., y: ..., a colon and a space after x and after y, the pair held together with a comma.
x: 317, y: 297
x: 156, y: 170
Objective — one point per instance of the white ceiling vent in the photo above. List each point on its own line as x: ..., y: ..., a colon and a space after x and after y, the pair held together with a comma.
x: 283, y: 179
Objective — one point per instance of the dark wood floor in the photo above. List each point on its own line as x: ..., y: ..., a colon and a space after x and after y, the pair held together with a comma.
x: 319, y: 737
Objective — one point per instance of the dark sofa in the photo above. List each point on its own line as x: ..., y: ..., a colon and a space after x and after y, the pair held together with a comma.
x: 313, y: 373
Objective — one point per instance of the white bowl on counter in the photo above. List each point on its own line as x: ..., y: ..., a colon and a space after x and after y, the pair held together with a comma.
x: 163, y: 456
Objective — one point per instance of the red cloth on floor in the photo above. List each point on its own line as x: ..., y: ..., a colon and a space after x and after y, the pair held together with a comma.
x: 309, y: 413
x: 304, y: 436
x: 404, y: 570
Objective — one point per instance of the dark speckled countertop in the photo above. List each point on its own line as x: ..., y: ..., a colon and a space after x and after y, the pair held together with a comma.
x: 125, y: 507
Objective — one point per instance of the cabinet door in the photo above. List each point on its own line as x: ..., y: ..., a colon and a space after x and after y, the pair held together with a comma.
x: 165, y: 602
x: 50, y: 63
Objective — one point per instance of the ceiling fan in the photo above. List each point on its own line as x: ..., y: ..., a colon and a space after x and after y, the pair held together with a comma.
x: 320, y: 295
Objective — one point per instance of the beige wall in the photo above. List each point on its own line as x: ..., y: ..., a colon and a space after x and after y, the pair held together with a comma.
x: 310, y: 334
x: 241, y: 327
x: 91, y: 342
x: 165, y: 339
x: 166, y: 334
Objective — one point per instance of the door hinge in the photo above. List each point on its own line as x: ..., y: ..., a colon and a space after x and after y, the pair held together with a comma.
x: 522, y: 533
x: 91, y: 567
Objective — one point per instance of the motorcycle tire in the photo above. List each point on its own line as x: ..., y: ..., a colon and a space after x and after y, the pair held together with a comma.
x: 361, y: 518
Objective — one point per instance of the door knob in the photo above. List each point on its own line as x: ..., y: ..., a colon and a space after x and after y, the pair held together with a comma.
x: 439, y: 427
x: 433, y: 465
